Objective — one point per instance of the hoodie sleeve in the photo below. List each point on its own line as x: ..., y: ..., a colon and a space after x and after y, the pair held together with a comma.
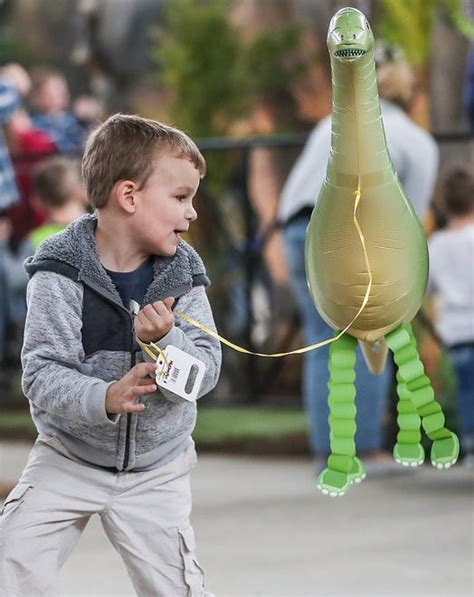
x: 194, y: 341
x: 52, y: 353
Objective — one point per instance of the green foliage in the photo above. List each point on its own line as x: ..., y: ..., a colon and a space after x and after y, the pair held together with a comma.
x: 271, y: 64
x: 409, y: 23
x: 199, y: 57
x: 10, y: 50
x: 460, y: 21
x: 214, y: 77
x: 212, y: 74
x: 216, y: 425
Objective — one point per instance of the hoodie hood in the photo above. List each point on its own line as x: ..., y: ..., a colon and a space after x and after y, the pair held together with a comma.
x: 73, y: 253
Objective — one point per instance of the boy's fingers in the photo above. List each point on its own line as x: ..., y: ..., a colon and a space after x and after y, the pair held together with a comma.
x: 148, y: 389
x: 148, y: 314
x: 140, y: 317
x: 160, y: 309
x: 143, y: 369
x: 133, y: 407
x: 145, y: 381
x: 169, y: 302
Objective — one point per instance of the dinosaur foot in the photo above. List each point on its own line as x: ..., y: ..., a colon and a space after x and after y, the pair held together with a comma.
x: 445, y: 452
x: 333, y: 483
x: 409, y: 454
x: 357, y: 473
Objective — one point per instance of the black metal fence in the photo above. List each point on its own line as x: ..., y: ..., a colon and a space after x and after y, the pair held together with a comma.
x: 238, y: 270
x: 253, y: 379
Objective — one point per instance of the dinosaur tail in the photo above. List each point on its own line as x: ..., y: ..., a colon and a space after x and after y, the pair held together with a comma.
x: 375, y: 355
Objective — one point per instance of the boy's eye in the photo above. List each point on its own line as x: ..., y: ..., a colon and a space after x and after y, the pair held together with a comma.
x: 181, y: 197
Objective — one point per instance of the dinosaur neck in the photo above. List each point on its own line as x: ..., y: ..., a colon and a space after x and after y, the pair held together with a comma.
x: 358, y: 145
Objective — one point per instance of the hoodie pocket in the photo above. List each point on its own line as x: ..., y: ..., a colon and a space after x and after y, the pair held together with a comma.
x: 193, y: 573
x: 15, y: 498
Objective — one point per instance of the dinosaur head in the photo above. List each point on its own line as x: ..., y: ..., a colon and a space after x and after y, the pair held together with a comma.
x: 349, y: 36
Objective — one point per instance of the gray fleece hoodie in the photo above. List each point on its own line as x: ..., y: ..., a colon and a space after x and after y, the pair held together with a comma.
x: 79, y: 339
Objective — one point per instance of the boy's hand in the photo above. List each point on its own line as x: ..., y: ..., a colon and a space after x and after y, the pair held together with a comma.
x: 154, y: 321
x: 120, y: 396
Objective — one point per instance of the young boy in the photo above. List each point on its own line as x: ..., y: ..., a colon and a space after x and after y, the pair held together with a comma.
x: 452, y: 282
x: 110, y: 442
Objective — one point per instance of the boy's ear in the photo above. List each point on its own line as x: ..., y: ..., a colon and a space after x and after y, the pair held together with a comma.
x: 124, y: 192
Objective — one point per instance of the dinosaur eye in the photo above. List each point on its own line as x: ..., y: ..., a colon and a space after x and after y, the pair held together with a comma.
x: 367, y: 26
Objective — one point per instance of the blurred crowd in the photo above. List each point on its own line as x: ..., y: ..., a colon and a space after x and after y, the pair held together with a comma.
x: 41, y: 140
x: 42, y: 136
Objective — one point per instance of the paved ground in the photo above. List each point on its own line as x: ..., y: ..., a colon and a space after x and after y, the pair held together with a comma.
x: 263, y: 530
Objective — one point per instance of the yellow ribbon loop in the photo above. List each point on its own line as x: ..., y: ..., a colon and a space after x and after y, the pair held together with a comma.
x: 159, y: 353
x: 217, y: 336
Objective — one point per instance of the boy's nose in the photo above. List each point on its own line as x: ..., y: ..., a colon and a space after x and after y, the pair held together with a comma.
x: 191, y: 214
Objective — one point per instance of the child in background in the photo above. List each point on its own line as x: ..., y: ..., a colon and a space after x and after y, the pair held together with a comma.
x: 29, y: 146
x: 49, y: 100
x: 59, y: 189
x: 110, y: 441
x: 452, y: 283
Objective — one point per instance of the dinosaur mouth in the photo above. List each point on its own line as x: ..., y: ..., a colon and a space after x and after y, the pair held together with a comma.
x: 349, y: 53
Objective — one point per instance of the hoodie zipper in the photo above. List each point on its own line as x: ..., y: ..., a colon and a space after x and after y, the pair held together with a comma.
x: 126, y: 456
x: 111, y: 300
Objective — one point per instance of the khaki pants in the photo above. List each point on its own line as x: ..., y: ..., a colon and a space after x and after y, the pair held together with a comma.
x: 145, y: 515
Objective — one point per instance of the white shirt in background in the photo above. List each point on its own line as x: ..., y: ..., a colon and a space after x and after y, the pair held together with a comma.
x: 452, y: 282
x: 414, y: 154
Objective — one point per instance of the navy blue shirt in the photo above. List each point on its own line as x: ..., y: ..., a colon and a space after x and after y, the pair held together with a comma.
x: 133, y: 285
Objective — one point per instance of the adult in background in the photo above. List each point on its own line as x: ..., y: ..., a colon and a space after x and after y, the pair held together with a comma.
x: 14, y: 82
x: 415, y: 157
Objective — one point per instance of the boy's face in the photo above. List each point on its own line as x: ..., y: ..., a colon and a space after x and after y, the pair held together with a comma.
x: 164, y: 206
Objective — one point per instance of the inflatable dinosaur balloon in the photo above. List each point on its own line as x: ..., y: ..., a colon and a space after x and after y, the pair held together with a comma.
x: 367, y: 266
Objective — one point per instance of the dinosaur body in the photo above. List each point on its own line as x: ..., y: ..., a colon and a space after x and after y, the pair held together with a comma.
x: 396, y: 263
x: 359, y: 158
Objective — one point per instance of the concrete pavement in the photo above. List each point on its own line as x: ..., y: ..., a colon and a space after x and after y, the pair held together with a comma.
x: 264, y: 530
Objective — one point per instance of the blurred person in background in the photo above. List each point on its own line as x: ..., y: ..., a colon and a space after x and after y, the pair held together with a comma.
x: 59, y: 189
x: 49, y: 101
x: 89, y: 112
x: 415, y: 157
x: 469, y: 89
x: 28, y: 147
x: 60, y: 194
x: 451, y: 283
x: 14, y: 82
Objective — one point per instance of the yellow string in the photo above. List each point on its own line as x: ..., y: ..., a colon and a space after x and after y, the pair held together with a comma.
x: 217, y: 336
x: 159, y: 353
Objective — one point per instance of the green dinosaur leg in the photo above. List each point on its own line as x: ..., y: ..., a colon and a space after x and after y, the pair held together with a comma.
x: 445, y: 449
x: 343, y: 467
x: 408, y: 450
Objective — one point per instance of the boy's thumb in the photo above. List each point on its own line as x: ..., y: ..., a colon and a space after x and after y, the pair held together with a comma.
x: 169, y: 302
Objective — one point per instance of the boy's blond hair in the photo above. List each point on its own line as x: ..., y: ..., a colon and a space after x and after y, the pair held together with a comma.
x: 125, y: 147
x: 56, y: 180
